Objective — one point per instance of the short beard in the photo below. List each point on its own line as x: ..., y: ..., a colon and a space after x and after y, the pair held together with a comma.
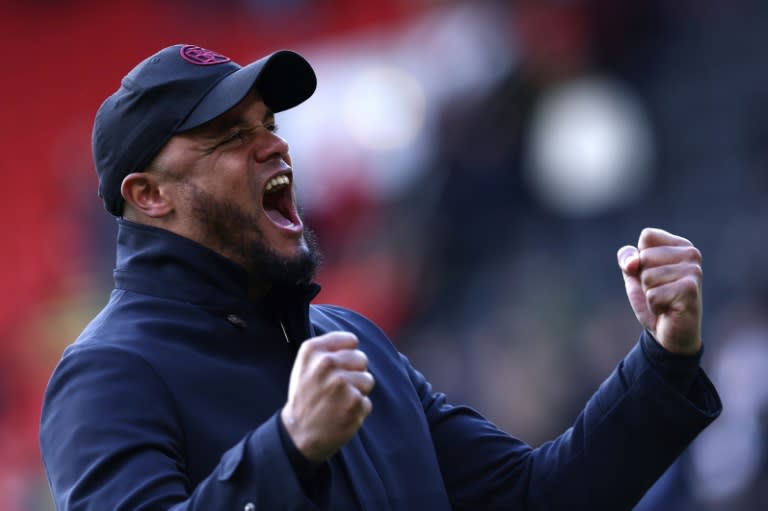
x: 230, y: 230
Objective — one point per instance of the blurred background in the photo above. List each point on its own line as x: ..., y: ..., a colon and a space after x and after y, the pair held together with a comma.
x: 470, y: 168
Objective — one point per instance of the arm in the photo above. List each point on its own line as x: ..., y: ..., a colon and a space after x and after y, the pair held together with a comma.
x: 110, y: 439
x: 629, y: 432
x: 642, y: 417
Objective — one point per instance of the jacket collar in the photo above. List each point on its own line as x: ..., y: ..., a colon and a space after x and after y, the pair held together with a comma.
x: 158, y: 262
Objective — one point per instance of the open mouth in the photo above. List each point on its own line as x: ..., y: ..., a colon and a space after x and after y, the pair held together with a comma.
x: 278, y: 202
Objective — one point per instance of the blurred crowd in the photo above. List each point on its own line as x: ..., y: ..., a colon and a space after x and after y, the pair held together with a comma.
x: 521, y: 144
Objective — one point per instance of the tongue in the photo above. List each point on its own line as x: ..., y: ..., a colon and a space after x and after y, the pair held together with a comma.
x: 277, y: 218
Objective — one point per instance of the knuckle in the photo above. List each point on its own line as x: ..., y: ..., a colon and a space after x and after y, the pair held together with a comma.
x: 328, y: 336
x: 697, y: 272
x: 690, y: 284
x: 348, y: 336
x: 656, y: 301
x: 642, y: 240
x: 308, y: 346
x: 336, y: 381
x: 366, y: 383
x: 647, y: 232
x: 355, y: 405
x: 657, y: 298
x: 649, y: 236
x: 693, y: 254
x: 652, y: 296
x: 325, y: 362
x: 646, y: 278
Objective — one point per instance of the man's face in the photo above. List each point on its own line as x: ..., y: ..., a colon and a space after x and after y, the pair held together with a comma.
x: 232, y: 188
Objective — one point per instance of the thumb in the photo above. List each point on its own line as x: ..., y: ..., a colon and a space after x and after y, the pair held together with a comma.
x: 629, y: 260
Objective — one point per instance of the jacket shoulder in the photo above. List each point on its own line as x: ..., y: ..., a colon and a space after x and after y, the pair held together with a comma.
x: 327, y: 318
x: 334, y: 317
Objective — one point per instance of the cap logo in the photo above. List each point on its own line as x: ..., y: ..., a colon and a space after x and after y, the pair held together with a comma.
x: 200, y: 56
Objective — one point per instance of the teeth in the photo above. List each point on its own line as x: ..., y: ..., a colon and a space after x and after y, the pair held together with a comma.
x: 277, y: 182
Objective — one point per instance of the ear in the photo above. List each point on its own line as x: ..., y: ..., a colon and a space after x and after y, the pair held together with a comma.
x: 143, y: 192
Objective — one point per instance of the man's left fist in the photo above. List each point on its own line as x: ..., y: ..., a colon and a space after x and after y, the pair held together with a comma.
x: 662, y: 277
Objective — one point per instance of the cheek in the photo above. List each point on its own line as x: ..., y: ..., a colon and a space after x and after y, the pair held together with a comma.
x: 238, y: 185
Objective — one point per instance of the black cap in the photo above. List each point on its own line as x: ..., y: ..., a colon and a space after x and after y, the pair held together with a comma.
x: 177, y: 89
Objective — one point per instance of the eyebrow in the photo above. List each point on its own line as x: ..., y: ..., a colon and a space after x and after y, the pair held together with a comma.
x: 221, y: 126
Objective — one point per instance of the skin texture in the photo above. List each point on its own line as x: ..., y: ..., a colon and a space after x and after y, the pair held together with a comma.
x: 207, y: 184
x: 663, y: 277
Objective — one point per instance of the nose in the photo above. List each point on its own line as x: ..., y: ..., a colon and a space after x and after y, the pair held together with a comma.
x: 271, y: 145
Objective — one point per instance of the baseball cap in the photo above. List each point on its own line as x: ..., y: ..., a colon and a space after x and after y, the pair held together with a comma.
x: 179, y: 88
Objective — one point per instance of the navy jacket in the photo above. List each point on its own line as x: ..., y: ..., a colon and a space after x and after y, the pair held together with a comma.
x: 170, y: 399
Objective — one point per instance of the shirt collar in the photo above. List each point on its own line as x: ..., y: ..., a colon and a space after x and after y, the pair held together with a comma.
x: 161, y: 263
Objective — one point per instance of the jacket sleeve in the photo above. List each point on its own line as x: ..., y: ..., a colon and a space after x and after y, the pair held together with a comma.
x: 110, y: 439
x: 629, y: 432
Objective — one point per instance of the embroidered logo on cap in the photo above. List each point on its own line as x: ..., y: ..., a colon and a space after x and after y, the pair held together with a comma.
x: 201, y: 56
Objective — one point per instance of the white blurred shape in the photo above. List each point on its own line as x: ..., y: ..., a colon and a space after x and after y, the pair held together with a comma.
x: 372, y: 119
x: 384, y: 108
x: 590, y: 147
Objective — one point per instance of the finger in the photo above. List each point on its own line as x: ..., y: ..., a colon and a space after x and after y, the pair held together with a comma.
x: 658, y: 256
x: 324, y: 363
x: 367, y: 407
x: 353, y: 360
x: 332, y: 341
x: 363, y: 381
x: 684, y: 291
x: 660, y: 275
x: 628, y: 259
x: 357, y: 405
x: 653, y: 237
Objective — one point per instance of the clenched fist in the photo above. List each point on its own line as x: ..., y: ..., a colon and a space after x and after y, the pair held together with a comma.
x: 327, y: 394
x: 662, y: 277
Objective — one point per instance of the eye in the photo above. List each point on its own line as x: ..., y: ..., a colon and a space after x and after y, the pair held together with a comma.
x: 232, y: 138
x: 272, y: 127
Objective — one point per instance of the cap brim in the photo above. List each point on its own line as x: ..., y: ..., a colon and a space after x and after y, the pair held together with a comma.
x: 284, y: 79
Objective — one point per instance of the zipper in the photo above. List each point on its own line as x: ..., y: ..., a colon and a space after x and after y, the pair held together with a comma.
x: 282, y: 327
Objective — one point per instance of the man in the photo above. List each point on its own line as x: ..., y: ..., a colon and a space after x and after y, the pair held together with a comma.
x: 208, y: 381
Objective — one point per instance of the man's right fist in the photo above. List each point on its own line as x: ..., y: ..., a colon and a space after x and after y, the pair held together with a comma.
x: 327, y: 394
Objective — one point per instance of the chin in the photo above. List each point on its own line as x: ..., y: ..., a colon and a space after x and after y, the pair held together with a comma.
x: 294, y: 251
x: 287, y: 265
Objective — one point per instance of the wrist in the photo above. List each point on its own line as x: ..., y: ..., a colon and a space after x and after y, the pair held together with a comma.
x: 298, y: 439
x: 679, y: 370
x: 689, y: 347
